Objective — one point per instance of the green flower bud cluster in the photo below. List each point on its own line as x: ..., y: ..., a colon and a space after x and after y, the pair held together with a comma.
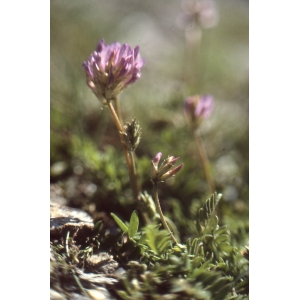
x: 132, y: 135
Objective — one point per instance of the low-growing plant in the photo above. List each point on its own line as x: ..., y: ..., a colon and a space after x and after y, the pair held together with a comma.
x: 165, y: 254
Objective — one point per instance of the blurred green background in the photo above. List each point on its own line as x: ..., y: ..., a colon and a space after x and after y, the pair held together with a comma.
x: 86, y: 156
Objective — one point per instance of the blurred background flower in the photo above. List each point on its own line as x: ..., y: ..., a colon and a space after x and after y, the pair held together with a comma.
x: 198, y: 108
x: 198, y: 12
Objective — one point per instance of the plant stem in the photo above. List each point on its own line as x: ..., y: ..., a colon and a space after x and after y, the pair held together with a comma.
x: 131, y: 154
x: 118, y: 109
x: 126, y: 152
x: 133, y: 160
x: 80, y: 285
x: 129, y: 157
x: 192, y: 44
x: 133, y: 163
x: 67, y: 244
x: 205, y: 162
x: 155, y: 193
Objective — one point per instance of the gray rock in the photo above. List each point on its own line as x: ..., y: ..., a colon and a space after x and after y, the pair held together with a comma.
x: 64, y: 219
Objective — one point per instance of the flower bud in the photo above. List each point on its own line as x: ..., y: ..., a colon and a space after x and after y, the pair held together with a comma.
x: 171, y: 173
x: 131, y: 135
x: 165, y: 170
x: 157, y: 158
x: 154, y: 164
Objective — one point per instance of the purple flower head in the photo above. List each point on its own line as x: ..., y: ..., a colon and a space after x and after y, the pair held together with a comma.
x: 111, y: 68
x: 156, y: 159
x: 198, y: 12
x: 198, y: 108
x: 164, y: 171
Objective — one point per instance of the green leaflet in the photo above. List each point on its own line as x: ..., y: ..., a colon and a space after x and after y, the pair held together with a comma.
x: 120, y: 223
x: 205, y: 214
x: 158, y: 240
x: 133, y: 224
x: 221, y: 238
x: 98, y: 227
x: 143, y: 239
x: 225, y: 247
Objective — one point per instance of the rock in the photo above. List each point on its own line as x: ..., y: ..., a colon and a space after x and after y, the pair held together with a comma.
x: 99, y: 294
x: 102, y: 263
x: 75, y: 296
x: 64, y: 219
x: 54, y: 295
x: 97, y: 279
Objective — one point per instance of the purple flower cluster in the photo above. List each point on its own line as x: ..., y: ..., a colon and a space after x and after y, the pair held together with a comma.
x: 111, y: 68
x: 164, y: 171
x: 198, y: 108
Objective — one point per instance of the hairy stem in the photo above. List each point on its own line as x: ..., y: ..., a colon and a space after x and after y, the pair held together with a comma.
x: 132, y: 156
x: 118, y: 109
x: 129, y: 157
x: 205, y: 162
x: 163, y: 220
x: 132, y: 174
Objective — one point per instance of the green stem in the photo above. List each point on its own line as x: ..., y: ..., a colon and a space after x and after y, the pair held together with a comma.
x: 155, y: 193
x: 133, y: 160
x: 67, y: 244
x: 115, y: 116
x: 72, y: 270
x: 126, y: 152
x: 80, y: 285
x: 172, y: 226
x: 131, y: 153
x: 205, y: 162
x: 118, y: 109
x: 128, y: 157
x: 192, y: 44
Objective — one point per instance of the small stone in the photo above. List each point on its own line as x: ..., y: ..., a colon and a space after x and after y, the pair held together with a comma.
x: 54, y: 295
x: 99, y: 294
x: 102, y: 263
x: 64, y: 219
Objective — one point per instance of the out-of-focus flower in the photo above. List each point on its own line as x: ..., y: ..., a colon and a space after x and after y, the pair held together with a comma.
x: 198, y: 108
x: 198, y: 12
x: 163, y: 172
x: 111, y: 68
